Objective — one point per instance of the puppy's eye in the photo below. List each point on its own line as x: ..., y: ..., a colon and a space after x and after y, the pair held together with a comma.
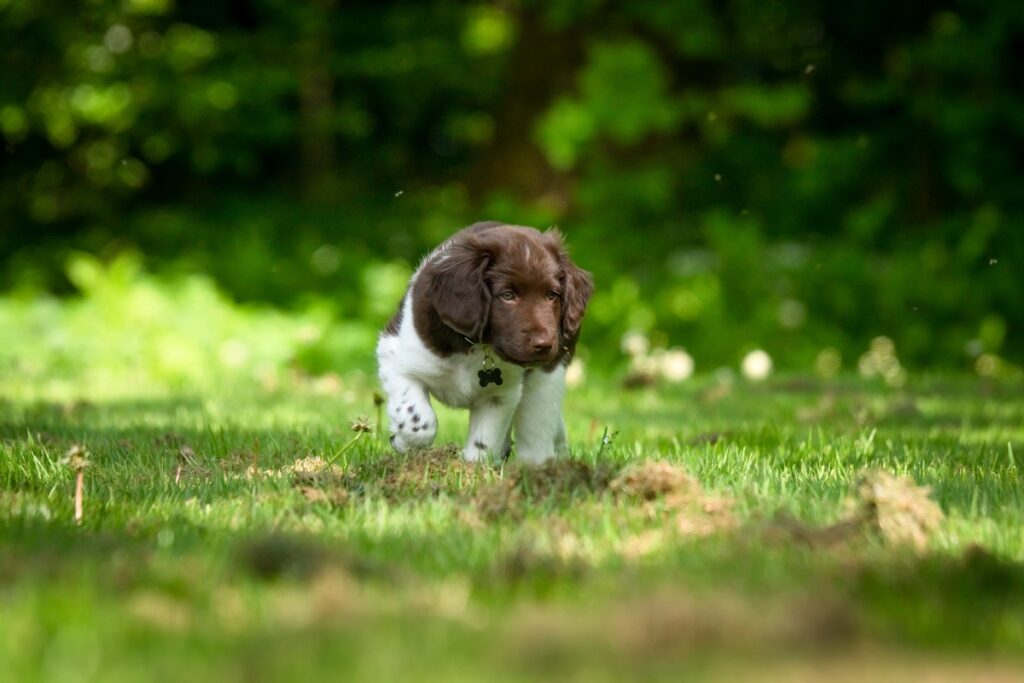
x: 508, y: 295
x: 553, y: 295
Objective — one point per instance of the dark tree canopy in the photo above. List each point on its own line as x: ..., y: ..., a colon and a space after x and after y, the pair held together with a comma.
x: 803, y: 174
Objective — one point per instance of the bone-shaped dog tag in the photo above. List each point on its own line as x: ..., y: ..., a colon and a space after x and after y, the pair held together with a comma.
x: 490, y: 376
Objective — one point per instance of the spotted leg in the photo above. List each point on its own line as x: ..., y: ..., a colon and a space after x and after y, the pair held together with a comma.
x: 411, y: 419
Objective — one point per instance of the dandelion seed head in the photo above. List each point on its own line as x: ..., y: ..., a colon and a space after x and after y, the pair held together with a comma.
x: 360, y: 425
x: 635, y: 343
x: 676, y: 365
x: 757, y: 365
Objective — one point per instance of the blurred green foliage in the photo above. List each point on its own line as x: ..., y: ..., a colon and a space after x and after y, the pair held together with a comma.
x: 792, y: 176
x: 131, y: 333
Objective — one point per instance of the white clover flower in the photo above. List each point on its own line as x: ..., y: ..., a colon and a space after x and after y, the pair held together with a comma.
x: 757, y: 365
x: 676, y: 365
x: 575, y: 373
x: 635, y: 343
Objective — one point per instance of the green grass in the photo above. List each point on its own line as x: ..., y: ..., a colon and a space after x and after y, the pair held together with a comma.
x: 401, y: 570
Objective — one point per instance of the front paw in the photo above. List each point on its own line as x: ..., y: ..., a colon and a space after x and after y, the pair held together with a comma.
x: 478, y: 451
x: 410, y: 437
x: 406, y: 441
x: 412, y: 425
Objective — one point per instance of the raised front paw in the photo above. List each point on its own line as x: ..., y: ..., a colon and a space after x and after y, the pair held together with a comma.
x: 412, y: 427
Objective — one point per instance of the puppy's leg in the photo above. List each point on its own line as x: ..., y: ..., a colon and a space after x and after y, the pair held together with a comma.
x: 411, y: 418
x: 490, y: 420
x: 540, y: 432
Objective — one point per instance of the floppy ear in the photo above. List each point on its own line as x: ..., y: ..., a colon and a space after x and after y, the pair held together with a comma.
x: 458, y: 291
x: 577, y: 286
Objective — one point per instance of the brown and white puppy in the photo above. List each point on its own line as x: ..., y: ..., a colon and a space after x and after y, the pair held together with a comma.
x: 489, y: 322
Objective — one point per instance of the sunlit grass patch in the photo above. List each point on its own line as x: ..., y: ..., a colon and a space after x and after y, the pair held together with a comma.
x: 682, y: 530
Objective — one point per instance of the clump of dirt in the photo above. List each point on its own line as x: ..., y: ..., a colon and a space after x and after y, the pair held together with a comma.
x: 892, y: 508
x: 663, y: 485
x: 895, y: 508
x: 552, y: 483
x: 657, y: 490
x: 695, y: 512
x: 653, y: 479
x: 319, y: 481
x: 664, y: 491
x: 396, y: 478
x: 563, y: 478
x: 429, y: 472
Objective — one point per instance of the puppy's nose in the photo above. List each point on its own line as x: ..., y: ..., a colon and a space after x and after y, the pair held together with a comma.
x: 542, y: 345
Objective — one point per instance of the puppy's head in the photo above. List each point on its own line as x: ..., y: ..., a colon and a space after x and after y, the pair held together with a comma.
x: 516, y: 289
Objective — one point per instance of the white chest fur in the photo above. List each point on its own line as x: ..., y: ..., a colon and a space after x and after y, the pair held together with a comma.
x: 453, y: 380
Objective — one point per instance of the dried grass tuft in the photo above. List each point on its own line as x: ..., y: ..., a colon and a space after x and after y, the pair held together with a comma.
x: 654, y: 479
x: 555, y: 482
x: 894, y: 509
x: 897, y: 509
x: 695, y: 512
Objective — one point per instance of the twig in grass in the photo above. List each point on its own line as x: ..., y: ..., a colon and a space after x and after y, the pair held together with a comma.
x: 378, y: 403
x: 77, y: 459
x: 185, y: 457
x: 606, y: 440
x: 360, y: 426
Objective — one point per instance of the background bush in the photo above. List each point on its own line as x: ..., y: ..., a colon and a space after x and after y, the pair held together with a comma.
x: 792, y: 176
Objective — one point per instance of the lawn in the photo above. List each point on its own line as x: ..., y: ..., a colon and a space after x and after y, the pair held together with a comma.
x: 711, y: 529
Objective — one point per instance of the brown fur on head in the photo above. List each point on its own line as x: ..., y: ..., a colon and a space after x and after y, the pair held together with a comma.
x: 512, y: 287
